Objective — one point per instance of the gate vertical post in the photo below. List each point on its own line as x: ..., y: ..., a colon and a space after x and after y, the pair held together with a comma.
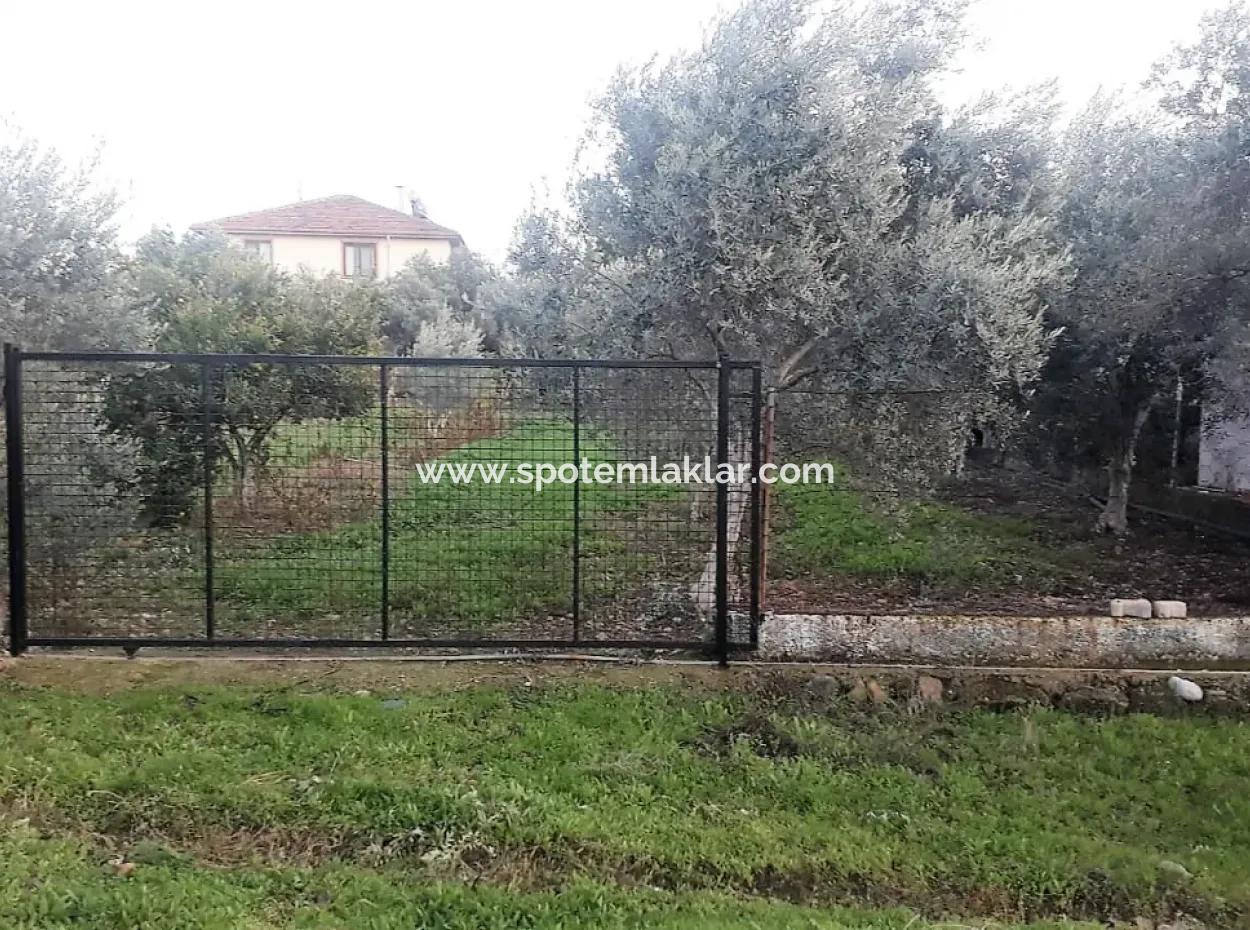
x: 206, y: 443
x: 577, y: 504
x: 384, y: 391
x: 757, y: 531
x: 723, y: 372
x: 18, y: 630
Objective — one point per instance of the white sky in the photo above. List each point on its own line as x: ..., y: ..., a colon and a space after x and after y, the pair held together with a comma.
x: 208, y: 109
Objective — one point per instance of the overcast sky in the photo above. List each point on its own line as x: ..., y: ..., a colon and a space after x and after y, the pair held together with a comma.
x: 209, y: 109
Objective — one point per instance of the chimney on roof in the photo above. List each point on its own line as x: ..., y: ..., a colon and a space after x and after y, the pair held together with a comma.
x: 418, y: 208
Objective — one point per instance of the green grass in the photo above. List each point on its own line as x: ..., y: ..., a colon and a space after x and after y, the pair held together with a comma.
x: 309, y: 440
x: 466, y: 554
x: 665, y: 807
x: 463, y: 557
x: 49, y: 885
x: 836, y: 531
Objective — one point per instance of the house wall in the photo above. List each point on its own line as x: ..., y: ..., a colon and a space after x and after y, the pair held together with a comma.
x: 324, y: 254
x: 1224, y: 452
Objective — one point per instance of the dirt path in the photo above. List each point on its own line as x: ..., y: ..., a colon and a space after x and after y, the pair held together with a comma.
x: 1097, y: 691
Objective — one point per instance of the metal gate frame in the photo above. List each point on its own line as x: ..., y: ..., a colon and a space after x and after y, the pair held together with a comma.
x: 18, y: 628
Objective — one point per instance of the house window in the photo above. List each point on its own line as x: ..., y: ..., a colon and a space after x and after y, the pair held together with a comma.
x: 360, y: 259
x: 261, y: 248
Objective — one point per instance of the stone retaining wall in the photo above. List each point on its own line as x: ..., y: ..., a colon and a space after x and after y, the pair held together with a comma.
x: 1103, y: 692
x: 1055, y: 642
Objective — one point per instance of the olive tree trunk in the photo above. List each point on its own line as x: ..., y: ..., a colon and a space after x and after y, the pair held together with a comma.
x: 1114, y: 516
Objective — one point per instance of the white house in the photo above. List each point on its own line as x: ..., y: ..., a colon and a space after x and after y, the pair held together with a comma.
x: 343, y: 235
x: 1224, y: 452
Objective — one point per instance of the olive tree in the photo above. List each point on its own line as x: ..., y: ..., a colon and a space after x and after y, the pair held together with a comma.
x: 205, y: 297
x: 435, y: 308
x: 64, y: 285
x: 761, y: 197
x: 1153, y: 206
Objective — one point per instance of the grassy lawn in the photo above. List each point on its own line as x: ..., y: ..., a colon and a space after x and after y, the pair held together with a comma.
x: 581, y: 806
x: 994, y: 540
x: 463, y: 558
x: 305, y: 442
x: 837, y: 532
x: 464, y: 554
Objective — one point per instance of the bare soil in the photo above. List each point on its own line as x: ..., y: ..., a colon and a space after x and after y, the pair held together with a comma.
x: 1099, y: 692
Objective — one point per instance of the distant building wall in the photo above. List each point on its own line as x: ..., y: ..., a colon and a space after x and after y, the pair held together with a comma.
x: 1224, y: 452
x: 324, y: 254
x: 395, y: 253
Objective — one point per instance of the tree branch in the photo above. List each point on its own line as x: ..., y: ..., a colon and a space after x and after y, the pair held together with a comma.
x: 785, y: 373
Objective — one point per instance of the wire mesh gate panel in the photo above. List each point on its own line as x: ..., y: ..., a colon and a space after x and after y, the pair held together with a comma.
x: 159, y: 499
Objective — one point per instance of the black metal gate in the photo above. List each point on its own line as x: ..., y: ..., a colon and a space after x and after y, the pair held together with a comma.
x: 337, y: 501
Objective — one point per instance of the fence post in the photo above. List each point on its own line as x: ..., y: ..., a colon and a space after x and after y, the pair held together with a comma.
x: 206, y: 441
x: 18, y: 630
x: 723, y: 372
x: 577, y: 505
x: 384, y: 389
x: 757, y: 531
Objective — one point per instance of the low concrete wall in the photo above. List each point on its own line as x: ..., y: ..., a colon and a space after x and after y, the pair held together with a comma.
x: 1214, y: 508
x: 1057, y: 642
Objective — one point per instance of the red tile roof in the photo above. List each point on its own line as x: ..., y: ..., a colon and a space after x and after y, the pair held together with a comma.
x: 340, y: 215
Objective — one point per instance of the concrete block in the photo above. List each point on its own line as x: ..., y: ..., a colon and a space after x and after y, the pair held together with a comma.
x: 1169, y: 610
x: 1130, y: 607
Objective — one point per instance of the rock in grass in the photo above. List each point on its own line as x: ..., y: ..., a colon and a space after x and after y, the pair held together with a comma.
x: 1185, y: 689
x: 929, y: 690
x: 868, y: 692
x: 823, y: 687
x: 122, y: 868
x: 1174, y: 872
x: 876, y: 693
